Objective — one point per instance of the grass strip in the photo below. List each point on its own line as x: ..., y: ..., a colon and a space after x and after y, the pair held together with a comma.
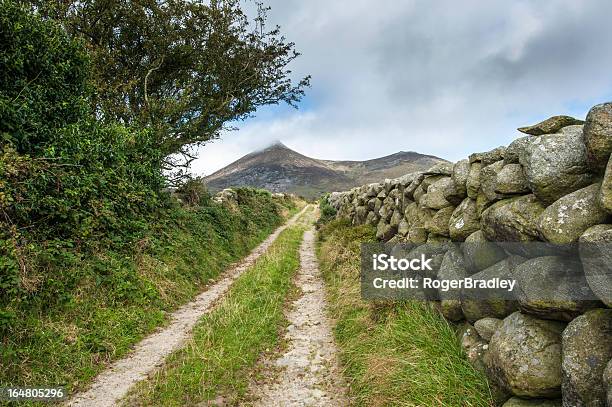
x: 393, y: 353
x: 123, y: 296
x: 227, y: 342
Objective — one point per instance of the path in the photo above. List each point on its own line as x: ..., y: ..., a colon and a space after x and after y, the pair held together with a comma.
x: 307, y: 373
x: 114, y: 383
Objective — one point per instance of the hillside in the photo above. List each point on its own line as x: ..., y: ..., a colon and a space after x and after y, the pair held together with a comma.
x: 280, y: 169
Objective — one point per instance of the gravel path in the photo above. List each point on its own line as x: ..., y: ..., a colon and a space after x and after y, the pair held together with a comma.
x: 307, y: 373
x: 114, y: 383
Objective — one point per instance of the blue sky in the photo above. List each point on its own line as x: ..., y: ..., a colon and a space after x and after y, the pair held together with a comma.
x: 446, y: 78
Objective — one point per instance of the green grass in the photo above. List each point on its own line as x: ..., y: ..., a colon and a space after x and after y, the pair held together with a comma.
x: 393, y: 354
x: 121, y: 296
x: 227, y: 343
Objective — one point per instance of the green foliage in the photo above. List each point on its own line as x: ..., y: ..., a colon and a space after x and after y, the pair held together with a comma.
x: 193, y: 192
x: 67, y: 183
x: 328, y: 212
x: 227, y: 342
x: 84, y: 308
x: 182, y: 68
x: 43, y: 75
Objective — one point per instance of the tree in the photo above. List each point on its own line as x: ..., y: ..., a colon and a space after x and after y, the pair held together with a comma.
x: 185, y: 69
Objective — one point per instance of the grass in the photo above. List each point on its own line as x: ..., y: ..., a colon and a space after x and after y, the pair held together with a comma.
x: 393, y: 354
x: 227, y: 342
x: 121, y: 296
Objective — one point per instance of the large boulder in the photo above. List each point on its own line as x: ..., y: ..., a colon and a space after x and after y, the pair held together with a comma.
x: 525, y: 356
x: 567, y: 218
x: 605, y: 193
x: 486, y: 327
x: 519, y: 402
x: 550, y: 125
x: 451, y: 268
x: 385, y: 231
x: 473, y: 181
x: 453, y: 193
x: 434, y: 198
x: 596, y: 257
x: 439, y: 222
x: 515, y: 149
x: 553, y: 287
x: 555, y: 165
x: 598, y: 136
x: 607, y: 378
x: 479, y: 253
x: 488, y: 181
x: 511, y: 180
x: 473, y: 345
x: 492, y: 156
x: 361, y: 214
x: 512, y: 220
x: 464, y: 220
x: 489, y: 302
x: 461, y: 170
x: 587, y: 348
x: 396, y: 218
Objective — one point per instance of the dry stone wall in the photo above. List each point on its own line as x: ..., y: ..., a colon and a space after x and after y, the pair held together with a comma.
x: 554, y: 184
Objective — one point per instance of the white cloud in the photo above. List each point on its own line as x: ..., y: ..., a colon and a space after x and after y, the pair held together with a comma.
x: 444, y: 78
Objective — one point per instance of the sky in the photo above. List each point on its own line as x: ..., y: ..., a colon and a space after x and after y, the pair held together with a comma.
x: 442, y: 77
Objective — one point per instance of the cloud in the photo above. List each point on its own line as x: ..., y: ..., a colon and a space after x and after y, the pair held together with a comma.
x: 444, y: 78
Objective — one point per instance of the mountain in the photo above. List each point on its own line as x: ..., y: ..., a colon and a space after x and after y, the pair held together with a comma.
x: 278, y: 168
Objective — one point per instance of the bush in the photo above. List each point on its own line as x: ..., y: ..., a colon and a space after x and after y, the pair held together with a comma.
x: 328, y: 212
x: 67, y: 183
x: 193, y: 192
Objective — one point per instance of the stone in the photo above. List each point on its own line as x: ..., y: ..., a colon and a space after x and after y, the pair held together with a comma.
x: 373, y: 189
x: 396, y: 218
x: 512, y: 220
x: 511, y: 180
x: 605, y: 193
x: 525, y: 356
x: 372, y: 219
x: 492, y: 156
x: 464, y: 220
x: 488, y: 181
x: 418, y: 193
x: 360, y: 215
x: 439, y: 222
x: 385, y: 231
x: 403, y: 227
x: 479, y: 253
x: 414, y: 184
x: 430, y: 179
x: 417, y: 235
x: 451, y: 268
x: 596, y: 258
x: 567, y: 218
x: 442, y: 168
x: 481, y: 303
x: 587, y: 348
x: 555, y: 165
x: 551, y: 125
x: 473, y: 346
x: 461, y: 170
x: 553, y: 287
x: 519, y: 402
x: 434, y: 198
x: 598, y: 136
x: 475, y: 157
x: 452, y: 193
x: 486, y: 327
x: 607, y: 379
x: 515, y: 149
x: 473, y: 181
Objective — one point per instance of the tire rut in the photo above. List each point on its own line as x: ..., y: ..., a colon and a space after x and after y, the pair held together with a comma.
x: 114, y: 383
